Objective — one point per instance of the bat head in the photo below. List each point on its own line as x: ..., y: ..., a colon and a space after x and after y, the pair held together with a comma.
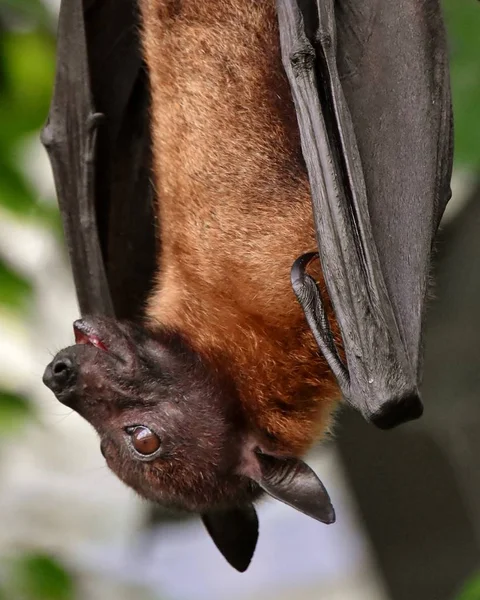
x: 167, y: 423
x: 172, y: 428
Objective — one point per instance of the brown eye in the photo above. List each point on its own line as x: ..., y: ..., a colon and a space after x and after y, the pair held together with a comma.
x: 144, y: 440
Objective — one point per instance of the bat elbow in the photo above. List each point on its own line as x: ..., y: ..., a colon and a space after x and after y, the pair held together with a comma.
x: 396, y: 411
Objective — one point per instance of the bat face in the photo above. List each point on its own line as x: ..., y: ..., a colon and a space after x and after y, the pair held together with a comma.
x: 168, y: 428
x: 172, y: 429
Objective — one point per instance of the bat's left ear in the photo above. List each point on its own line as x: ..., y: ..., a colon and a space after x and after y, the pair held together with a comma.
x: 293, y: 482
x: 235, y: 533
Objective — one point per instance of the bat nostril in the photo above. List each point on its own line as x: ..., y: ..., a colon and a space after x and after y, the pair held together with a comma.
x: 61, y: 367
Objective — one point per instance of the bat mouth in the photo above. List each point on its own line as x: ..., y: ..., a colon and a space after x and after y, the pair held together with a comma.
x: 87, y: 335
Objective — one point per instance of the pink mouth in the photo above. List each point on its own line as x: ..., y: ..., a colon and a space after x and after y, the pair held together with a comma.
x: 85, y: 335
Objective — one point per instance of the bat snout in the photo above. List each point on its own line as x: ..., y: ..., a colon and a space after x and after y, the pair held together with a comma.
x: 61, y: 375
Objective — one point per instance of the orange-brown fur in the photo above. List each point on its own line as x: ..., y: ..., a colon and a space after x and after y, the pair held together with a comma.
x: 235, y: 208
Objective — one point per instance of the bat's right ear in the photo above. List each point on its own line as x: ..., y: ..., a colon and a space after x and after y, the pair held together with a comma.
x: 235, y: 533
x: 293, y: 482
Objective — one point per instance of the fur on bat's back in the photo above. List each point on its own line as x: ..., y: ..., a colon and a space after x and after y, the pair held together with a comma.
x: 234, y: 208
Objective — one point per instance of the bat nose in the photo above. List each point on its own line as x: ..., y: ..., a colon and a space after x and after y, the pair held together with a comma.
x: 59, y: 373
x: 397, y: 411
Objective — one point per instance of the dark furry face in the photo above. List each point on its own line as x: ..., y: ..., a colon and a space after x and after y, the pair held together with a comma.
x: 169, y: 427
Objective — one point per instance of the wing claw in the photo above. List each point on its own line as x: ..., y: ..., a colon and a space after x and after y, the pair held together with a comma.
x: 309, y: 296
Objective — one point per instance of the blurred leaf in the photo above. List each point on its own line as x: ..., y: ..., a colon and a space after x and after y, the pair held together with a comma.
x: 14, y: 411
x: 25, y: 13
x: 42, y: 577
x: 14, y: 192
x: 51, y: 217
x: 463, y: 26
x: 15, y: 291
x: 472, y: 590
x: 26, y: 68
x: 28, y: 65
x: 17, y: 197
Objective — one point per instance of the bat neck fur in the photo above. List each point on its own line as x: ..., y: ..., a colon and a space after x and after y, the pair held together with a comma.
x: 234, y: 209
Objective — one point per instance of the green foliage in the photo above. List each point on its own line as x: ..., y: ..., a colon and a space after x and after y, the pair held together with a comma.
x: 39, y: 577
x: 471, y: 590
x: 26, y: 76
x: 15, y: 291
x: 463, y: 26
x: 14, y: 410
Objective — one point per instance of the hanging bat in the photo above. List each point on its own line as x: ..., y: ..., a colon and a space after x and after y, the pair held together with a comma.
x: 200, y: 149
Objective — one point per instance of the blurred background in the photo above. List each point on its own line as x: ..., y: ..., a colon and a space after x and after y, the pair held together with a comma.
x: 408, y: 501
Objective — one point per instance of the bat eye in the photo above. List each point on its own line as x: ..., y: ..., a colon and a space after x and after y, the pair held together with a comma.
x: 144, y: 441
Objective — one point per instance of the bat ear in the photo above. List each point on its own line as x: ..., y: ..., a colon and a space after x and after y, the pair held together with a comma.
x: 235, y: 533
x: 293, y: 482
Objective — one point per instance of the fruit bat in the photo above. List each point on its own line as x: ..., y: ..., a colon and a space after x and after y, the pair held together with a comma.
x: 250, y: 193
